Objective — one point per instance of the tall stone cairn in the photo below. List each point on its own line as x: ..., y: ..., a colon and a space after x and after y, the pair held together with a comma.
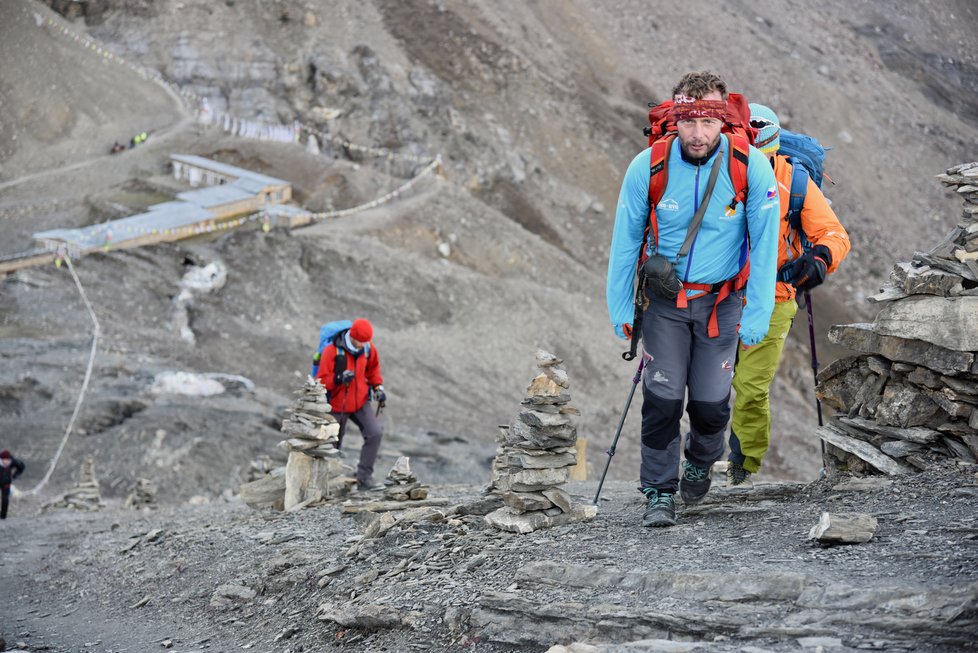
x: 535, y: 455
x: 311, y: 472
x: 911, y: 397
x: 85, y: 495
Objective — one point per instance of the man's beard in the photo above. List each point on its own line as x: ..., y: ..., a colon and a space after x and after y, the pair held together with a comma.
x: 696, y: 158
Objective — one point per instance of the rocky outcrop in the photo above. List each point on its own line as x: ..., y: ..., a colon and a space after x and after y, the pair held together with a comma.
x: 913, y: 392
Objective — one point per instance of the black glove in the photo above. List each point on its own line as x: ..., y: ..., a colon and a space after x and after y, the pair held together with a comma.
x: 346, y: 378
x: 809, y: 269
x: 379, y: 394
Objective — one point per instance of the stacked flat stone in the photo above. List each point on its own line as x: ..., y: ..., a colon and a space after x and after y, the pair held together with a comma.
x: 85, y: 495
x: 143, y: 495
x: 912, y: 396
x: 309, y: 425
x: 535, y: 455
x: 312, y: 472
x: 402, y: 485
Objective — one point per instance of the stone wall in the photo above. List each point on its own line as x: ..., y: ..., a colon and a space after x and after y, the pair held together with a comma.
x: 911, y: 396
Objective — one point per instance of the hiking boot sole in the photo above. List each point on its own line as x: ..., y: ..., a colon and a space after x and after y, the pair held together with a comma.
x: 659, y: 521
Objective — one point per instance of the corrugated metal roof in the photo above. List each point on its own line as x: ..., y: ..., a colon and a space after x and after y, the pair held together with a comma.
x: 161, y: 218
x: 226, y: 169
x: 251, y: 186
x: 189, y: 209
x: 215, y: 195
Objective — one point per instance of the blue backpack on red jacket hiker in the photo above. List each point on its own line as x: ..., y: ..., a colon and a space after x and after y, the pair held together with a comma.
x: 332, y: 333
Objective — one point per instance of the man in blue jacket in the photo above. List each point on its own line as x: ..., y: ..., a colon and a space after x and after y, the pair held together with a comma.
x: 695, y: 313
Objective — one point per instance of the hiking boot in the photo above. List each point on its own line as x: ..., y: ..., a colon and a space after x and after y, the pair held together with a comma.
x: 369, y: 486
x: 694, y: 482
x: 661, y: 508
x: 737, y: 476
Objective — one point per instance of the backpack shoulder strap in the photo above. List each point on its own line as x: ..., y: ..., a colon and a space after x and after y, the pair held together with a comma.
x: 339, y: 361
x: 658, y: 178
x: 799, y: 189
x: 738, y: 156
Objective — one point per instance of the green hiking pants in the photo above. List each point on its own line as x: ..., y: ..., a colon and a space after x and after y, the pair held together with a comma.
x: 750, y: 427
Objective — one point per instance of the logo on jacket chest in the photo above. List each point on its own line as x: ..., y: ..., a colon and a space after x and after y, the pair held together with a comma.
x: 668, y: 204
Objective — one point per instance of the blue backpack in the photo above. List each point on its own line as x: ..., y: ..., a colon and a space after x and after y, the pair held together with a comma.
x: 807, y: 158
x: 329, y: 334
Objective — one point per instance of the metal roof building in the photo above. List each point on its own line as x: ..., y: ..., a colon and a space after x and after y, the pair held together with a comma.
x: 231, y: 193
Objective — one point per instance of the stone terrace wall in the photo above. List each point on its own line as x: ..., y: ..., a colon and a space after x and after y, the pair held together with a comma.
x: 912, y: 395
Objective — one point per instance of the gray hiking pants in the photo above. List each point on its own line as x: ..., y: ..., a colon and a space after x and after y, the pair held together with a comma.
x: 369, y: 426
x: 680, y: 357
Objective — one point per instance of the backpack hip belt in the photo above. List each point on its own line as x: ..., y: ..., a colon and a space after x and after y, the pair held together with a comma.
x: 722, y: 289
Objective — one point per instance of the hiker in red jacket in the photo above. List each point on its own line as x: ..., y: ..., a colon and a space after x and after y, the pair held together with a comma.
x: 349, y: 369
x: 10, y: 468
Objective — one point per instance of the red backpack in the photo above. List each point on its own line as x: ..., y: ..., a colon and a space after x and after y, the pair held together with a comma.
x: 662, y: 132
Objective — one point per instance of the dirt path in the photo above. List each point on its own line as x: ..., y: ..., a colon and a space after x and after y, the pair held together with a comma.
x: 49, y: 605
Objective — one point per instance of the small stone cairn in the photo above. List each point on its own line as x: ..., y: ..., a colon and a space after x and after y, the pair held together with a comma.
x: 85, y: 495
x: 402, y: 485
x: 535, y: 455
x: 912, y: 396
x: 143, y: 495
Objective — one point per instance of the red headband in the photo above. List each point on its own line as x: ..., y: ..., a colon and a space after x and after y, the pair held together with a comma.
x: 687, y: 108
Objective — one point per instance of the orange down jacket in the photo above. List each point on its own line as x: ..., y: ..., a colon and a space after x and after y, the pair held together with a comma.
x: 818, y: 221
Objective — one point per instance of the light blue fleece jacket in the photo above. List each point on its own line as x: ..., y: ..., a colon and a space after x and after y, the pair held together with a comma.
x: 716, y: 254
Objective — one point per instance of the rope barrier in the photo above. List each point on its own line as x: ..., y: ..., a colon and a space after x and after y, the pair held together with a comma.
x: 88, y: 375
x: 433, y: 167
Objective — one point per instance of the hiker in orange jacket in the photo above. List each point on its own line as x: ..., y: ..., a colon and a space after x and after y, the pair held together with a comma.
x: 804, y: 269
x: 349, y: 391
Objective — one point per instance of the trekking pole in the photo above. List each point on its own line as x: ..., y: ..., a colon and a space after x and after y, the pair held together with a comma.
x: 621, y: 422
x: 641, y: 303
x: 811, y: 336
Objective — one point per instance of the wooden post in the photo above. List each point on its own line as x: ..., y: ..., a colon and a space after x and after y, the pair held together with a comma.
x: 579, y: 471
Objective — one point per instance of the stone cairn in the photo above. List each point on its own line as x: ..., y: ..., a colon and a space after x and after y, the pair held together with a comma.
x: 143, y: 495
x: 313, y: 471
x: 313, y: 435
x: 912, y: 396
x: 402, y: 485
x: 535, y: 455
x: 85, y: 495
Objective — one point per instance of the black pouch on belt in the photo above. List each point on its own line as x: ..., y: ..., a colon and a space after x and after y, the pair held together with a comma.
x: 660, y: 277
x: 660, y: 272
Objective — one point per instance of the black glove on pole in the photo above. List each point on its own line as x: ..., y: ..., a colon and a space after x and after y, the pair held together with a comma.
x: 808, y: 271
